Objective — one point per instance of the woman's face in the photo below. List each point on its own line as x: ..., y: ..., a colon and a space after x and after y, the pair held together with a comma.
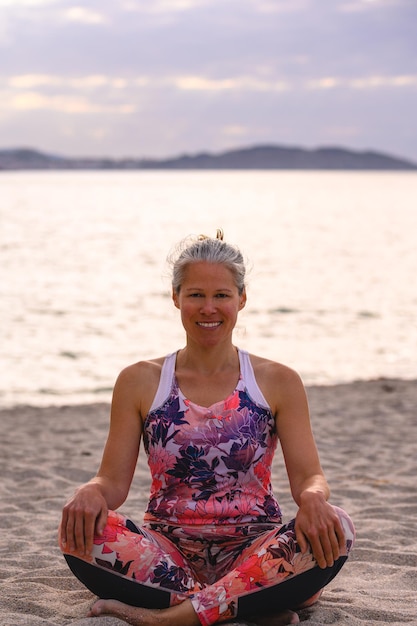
x: 209, y: 302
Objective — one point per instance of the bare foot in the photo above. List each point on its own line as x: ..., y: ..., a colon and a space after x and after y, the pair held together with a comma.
x: 280, y: 619
x: 130, y: 614
x: 179, y: 615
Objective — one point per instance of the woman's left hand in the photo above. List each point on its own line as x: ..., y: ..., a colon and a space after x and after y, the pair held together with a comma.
x: 318, y: 525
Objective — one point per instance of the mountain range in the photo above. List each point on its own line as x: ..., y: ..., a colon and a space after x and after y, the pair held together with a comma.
x: 267, y: 157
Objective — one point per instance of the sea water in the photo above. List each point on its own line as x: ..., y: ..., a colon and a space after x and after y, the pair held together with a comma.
x: 85, y: 287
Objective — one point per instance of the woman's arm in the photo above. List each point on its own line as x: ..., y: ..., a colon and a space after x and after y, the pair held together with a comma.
x: 86, y: 511
x: 317, y: 523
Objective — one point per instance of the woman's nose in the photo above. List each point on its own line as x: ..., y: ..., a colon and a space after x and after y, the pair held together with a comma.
x: 208, y: 306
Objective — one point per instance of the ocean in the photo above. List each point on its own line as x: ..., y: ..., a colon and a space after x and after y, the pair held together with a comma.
x: 85, y: 286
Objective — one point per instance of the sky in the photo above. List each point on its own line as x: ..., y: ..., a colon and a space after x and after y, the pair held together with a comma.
x: 159, y: 78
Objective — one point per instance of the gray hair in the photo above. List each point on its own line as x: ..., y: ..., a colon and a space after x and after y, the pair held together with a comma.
x: 210, y: 250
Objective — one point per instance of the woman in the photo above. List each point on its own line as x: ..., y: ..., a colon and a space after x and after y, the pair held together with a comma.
x: 213, y: 545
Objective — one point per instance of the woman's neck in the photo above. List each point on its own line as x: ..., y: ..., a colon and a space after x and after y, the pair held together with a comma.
x: 208, y: 361
x: 209, y: 376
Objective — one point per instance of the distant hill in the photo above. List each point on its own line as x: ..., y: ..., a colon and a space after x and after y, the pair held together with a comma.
x: 252, y: 158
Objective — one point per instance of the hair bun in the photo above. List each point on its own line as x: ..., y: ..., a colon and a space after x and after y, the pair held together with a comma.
x: 219, y: 235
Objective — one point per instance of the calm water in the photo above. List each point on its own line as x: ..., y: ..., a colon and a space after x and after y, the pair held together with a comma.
x: 332, y: 289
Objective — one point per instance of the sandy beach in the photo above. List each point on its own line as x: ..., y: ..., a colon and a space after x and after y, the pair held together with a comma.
x: 367, y: 437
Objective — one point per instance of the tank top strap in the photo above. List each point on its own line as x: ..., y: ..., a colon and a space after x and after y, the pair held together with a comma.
x: 165, y: 382
x: 248, y: 376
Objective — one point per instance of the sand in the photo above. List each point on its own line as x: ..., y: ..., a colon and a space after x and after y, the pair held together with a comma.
x: 367, y: 437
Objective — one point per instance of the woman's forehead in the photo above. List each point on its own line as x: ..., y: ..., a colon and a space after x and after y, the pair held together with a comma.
x: 203, y: 270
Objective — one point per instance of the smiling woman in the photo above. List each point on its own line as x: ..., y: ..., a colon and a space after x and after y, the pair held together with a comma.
x: 213, y: 544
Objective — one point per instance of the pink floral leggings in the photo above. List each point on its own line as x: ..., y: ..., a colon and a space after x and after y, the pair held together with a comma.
x: 226, y: 571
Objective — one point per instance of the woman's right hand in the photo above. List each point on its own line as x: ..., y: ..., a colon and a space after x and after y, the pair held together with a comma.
x: 83, y: 516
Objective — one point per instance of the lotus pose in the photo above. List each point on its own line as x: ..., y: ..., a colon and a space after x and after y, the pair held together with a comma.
x: 212, y: 545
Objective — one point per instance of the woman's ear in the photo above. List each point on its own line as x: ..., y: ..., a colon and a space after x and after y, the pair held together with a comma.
x: 175, y: 299
x: 242, y: 299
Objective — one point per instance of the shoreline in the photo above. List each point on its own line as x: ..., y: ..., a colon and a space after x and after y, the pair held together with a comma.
x: 365, y: 432
x: 97, y: 401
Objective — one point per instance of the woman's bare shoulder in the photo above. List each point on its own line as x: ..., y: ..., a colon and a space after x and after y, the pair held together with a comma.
x: 142, y: 372
x: 279, y: 383
x: 273, y: 370
x: 137, y: 384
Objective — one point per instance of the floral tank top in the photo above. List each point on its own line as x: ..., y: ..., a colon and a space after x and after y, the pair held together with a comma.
x: 210, y: 465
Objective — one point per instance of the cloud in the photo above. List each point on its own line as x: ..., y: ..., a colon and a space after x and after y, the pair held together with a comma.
x: 364, y: 82
x: 84, y: 16
x: 358, y: 6
x: 31, y: 100
x: 279, y: 6
x: 329, y: 82
x: 69, y: 104
x: 89, y: 82
x: 26, y: 3
x: 164, y: 7
x: 107, y: 86
x: 235, y: 131
x: 375, y: 82
x: 28, y: 81
x: 200, y: 83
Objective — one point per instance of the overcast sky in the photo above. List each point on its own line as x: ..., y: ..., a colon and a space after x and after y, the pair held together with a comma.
x: 163, y: 77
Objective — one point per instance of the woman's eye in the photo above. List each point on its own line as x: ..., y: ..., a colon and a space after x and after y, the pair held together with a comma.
x: 201, y: 295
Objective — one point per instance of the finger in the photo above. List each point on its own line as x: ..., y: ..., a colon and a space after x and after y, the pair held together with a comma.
x: 102, y: 521
x: 89, y: 525
x: 301, y: 540
x: 69, y: 531
x: 62, y: 533
x: 327, y: 548
x: 79, y: 534
x: 330, y: 542
x: 340, y: 536
x: 335, y: 542
x: 318, y: 553
x: 320, y: 544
